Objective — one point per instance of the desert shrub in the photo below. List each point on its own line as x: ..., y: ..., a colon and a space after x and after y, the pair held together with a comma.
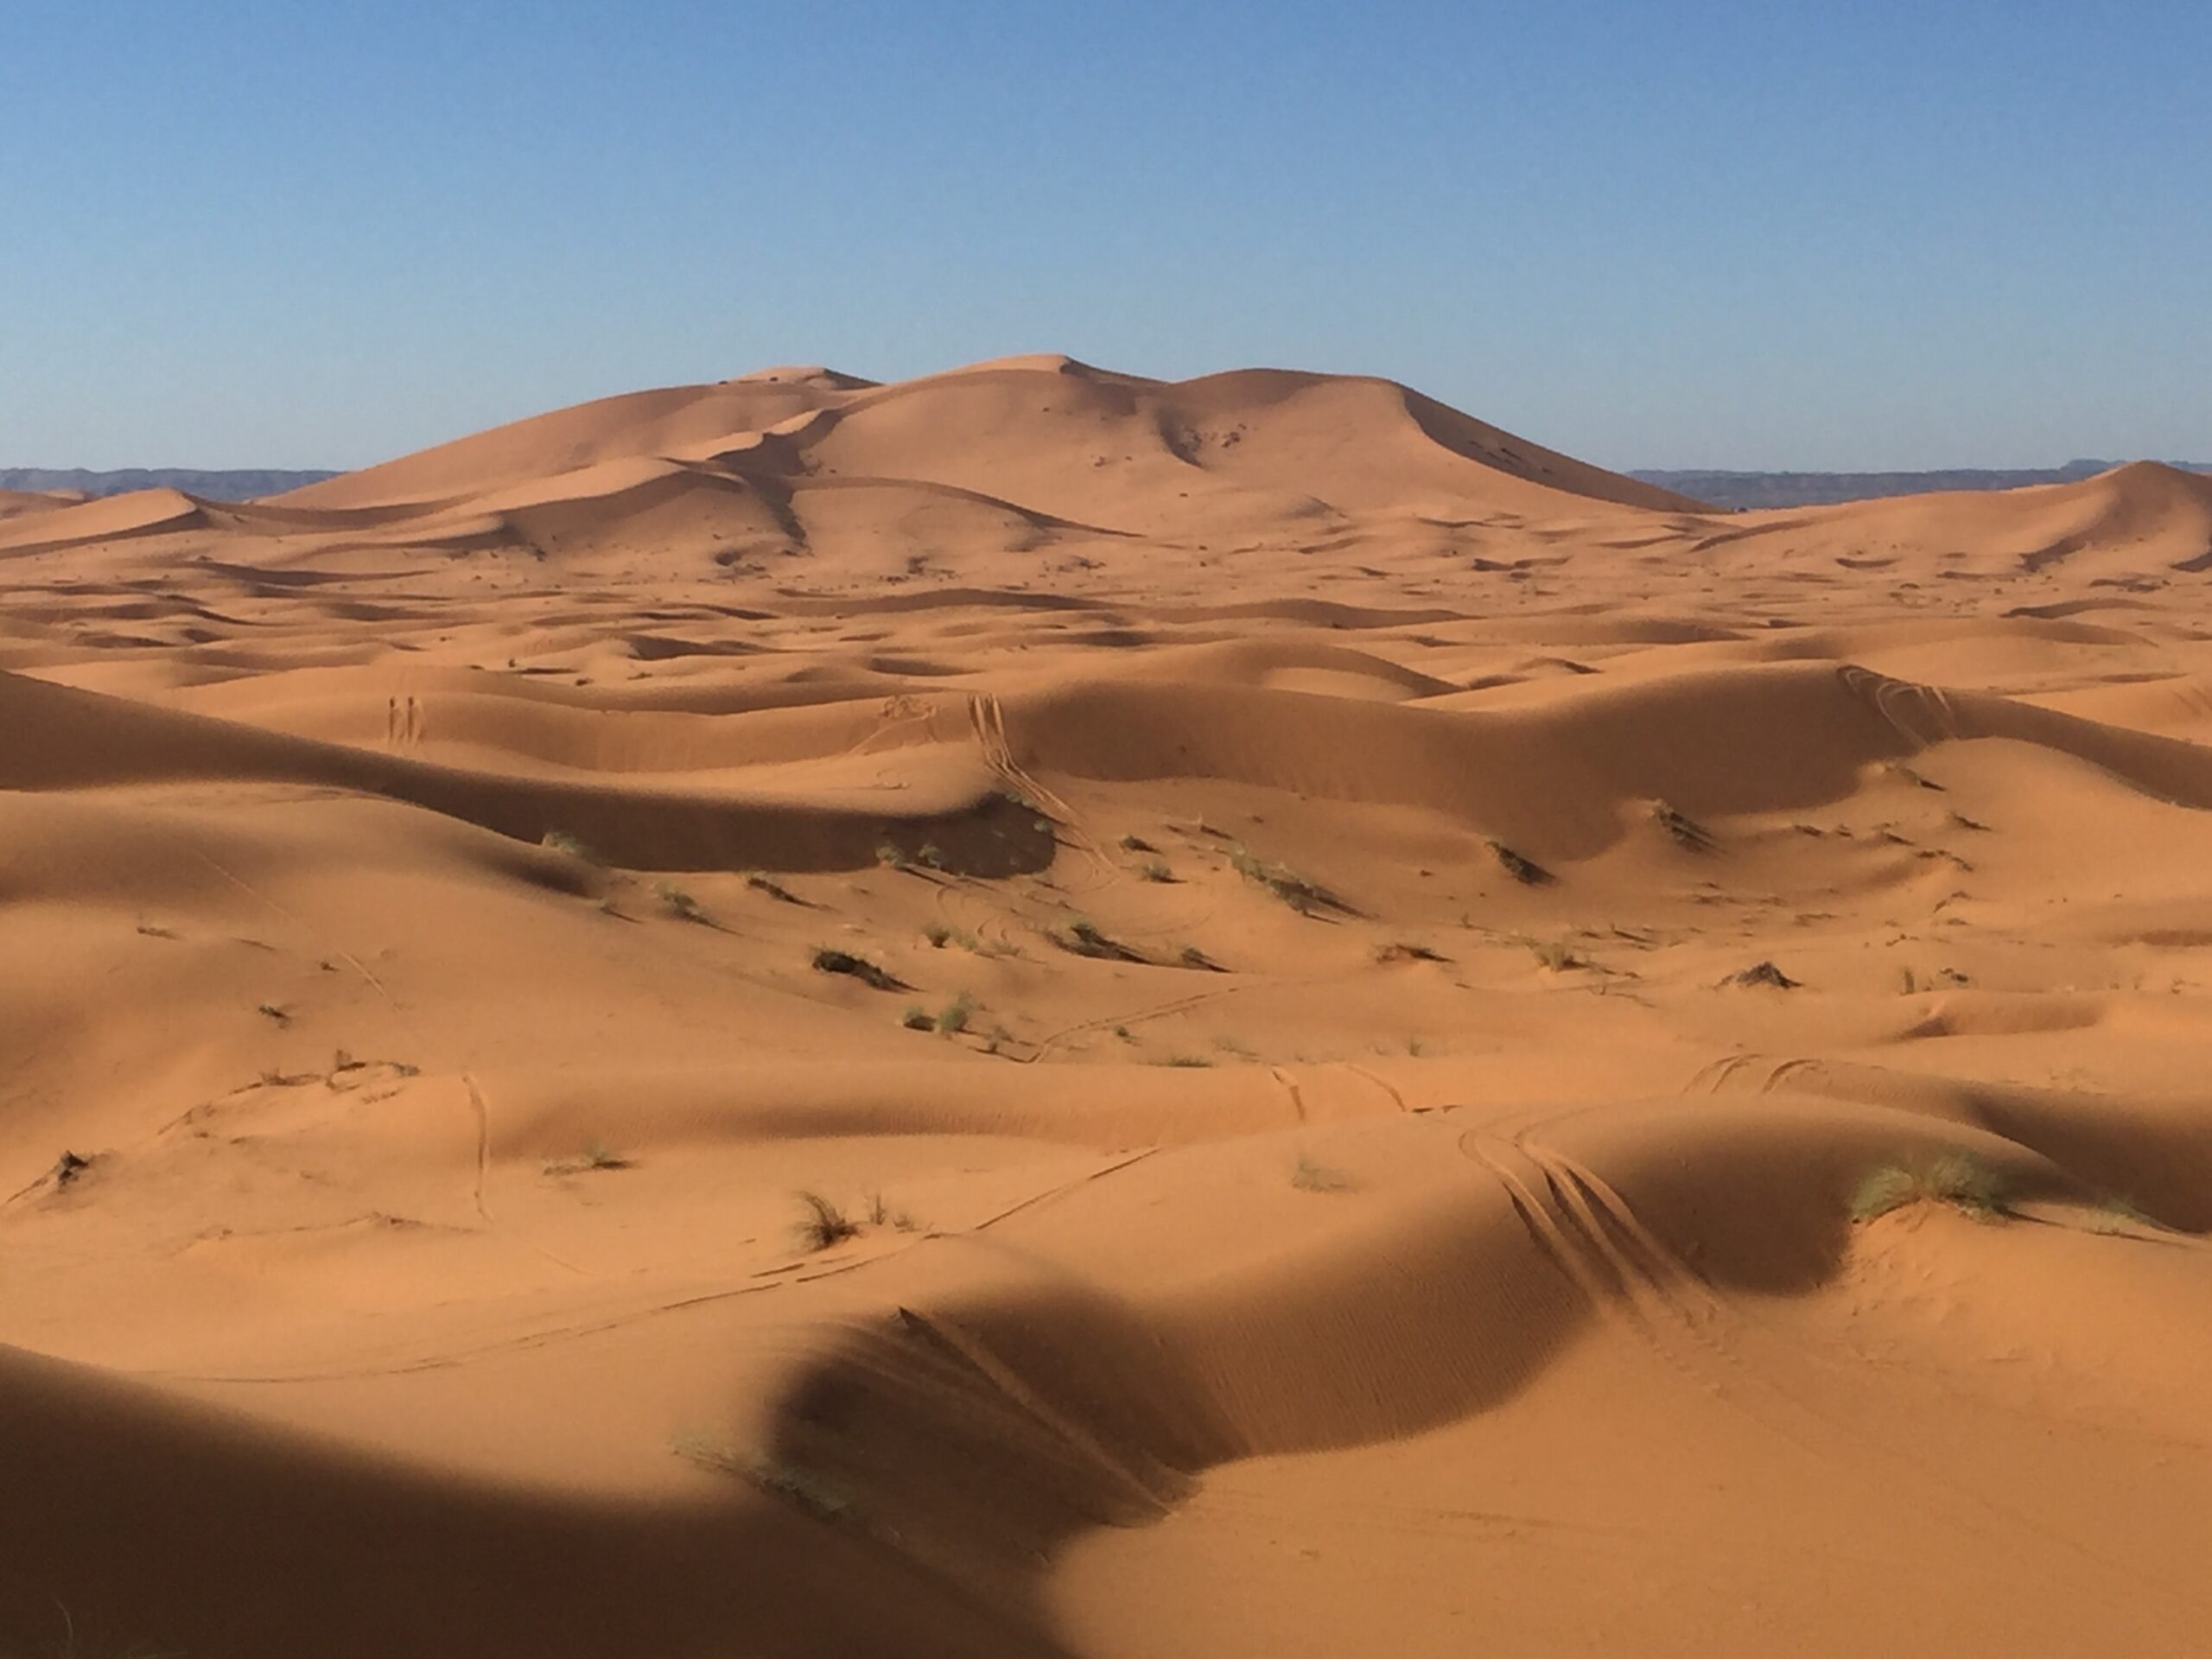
x: 596, y: 1154
x: 830, y: 960
x: 824, y: 1223
x: 881, y: 1213
x: 2118, y: 1214
x: 1763, y: 973
x: 560, y: 840
x: 1307, y: 1176
x: 1301, y: 895
x: 1684, y: 831
x: 1523, y: 869
x: 1958, y: 1178
x: 762, y: 883
x: 1404, y: 950
x: 1083, y: 937
x: 677, y: 902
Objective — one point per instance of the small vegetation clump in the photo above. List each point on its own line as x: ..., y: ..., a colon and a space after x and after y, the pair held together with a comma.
x: 1686, y: 832
x: 1301, y: 895
x: 1308, y: 1176
x: 830, y: 960
x: 1957, y: 1179
x: 271, y: 1011
x: 775, y: 889
x: 918, y: 1018
x: 1083, y: 937
x: 1554, y: 955
x: 560, y: 840
x: 1190, y: 957
x: 1154, y: 869
x: 1189, y: 1062
x: 893, y: 856
x: 824, y: 1223
x: 596, y: 1156
x: 881, y: 1214
x: 1135, y: 843
x: 952, y: 1018
x: 939, y: 936
x: 1406, y: 950
x: 1523, y: 869
x: 677, y: 902
x: 2117, y: 1214
x: 1763, y: 973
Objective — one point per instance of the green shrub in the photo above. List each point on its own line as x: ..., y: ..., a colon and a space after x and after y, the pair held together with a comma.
x: 1957, y: 1179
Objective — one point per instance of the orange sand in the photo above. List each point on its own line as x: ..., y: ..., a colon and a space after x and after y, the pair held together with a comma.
x: 1304, y: 1236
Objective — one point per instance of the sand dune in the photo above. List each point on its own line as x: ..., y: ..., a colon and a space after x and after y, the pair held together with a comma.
x: 1408, y: 1045
x: 13, y: 503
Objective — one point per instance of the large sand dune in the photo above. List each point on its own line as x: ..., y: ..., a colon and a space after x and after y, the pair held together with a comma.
x: 1347, y: 974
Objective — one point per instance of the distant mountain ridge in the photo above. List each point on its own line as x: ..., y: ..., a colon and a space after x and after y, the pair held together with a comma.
x: 1733, y: 489
x: 1721, y: 486
x: 241, y: 484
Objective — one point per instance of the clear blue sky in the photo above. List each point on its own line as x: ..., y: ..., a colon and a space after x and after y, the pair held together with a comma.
x: 1862, y: 233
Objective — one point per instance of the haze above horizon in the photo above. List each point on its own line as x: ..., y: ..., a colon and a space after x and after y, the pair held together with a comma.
x: 1673, y: 235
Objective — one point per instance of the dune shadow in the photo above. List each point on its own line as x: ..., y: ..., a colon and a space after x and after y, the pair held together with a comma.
x: 164, y: 1527
x: 980, y: 1437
